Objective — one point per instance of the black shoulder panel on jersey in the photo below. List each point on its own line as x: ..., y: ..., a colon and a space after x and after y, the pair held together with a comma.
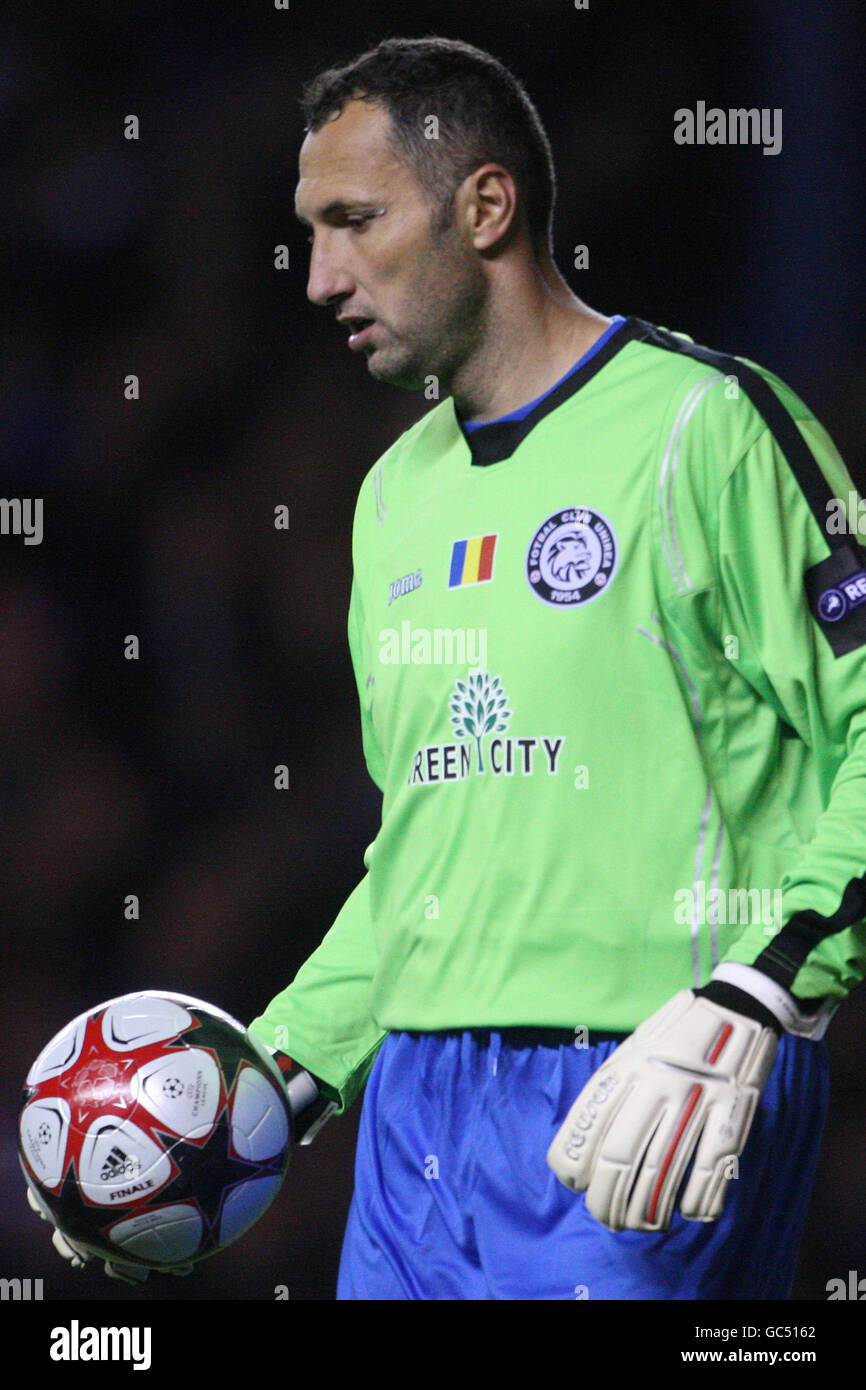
x: 835, y: 587
x: 813, y: 484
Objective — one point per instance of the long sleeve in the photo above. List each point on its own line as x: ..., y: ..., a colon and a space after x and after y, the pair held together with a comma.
x: 793, y: 586
x: 322, y: 1019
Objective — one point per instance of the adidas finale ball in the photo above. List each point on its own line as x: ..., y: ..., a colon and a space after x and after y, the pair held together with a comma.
x: 153, y: 1131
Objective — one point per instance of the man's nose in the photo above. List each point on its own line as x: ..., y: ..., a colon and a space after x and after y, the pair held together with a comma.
x: 328, y: 279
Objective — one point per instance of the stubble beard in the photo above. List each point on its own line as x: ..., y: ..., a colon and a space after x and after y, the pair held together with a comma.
x: 448, y: 306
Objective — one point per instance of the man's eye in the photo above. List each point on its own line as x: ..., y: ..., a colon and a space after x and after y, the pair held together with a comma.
x: 357, y: 223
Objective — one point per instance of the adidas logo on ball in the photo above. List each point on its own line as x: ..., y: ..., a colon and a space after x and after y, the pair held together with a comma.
x: 119, y: 1165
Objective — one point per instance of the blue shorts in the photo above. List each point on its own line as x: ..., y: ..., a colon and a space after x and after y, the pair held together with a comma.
x: 454, y: 1199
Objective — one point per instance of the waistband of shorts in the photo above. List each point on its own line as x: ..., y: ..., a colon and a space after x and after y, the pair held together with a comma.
x: 521, y: 1036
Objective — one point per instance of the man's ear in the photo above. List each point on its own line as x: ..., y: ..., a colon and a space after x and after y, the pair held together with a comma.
x: 486, y: 207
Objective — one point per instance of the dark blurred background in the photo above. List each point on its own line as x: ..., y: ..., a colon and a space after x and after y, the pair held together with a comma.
x: 156, y: 257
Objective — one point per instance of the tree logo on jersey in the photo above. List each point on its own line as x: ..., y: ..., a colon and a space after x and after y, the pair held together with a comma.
x: 478, y: 707
x: 572, y: 557
x: 479, y: 710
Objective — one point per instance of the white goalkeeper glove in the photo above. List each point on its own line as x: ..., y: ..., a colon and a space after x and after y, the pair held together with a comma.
x: 78, y: 1256
x: 684, y: 1086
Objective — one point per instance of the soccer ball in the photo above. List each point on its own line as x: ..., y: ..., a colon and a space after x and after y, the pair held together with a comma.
x: 153, y: 1130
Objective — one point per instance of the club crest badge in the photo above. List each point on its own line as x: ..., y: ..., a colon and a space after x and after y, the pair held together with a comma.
x: 572, y: 557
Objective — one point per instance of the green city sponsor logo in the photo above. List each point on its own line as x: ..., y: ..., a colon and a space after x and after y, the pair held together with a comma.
x: 479, y: 711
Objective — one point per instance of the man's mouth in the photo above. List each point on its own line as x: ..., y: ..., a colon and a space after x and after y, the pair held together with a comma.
x: 360, y: 330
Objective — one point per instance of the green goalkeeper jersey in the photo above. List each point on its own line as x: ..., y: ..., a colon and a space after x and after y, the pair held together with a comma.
x: 611, y: 660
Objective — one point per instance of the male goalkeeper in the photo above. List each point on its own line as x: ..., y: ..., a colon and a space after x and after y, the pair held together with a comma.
x: 610, y: 650
x: 611, y: 660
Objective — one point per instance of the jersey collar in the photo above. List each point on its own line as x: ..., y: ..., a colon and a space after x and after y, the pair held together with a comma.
x: 495, y: 442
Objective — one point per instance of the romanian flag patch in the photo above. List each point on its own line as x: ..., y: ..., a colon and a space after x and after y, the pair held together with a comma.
x: 472, y: 560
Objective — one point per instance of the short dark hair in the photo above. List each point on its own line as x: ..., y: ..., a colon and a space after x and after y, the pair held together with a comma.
x: 484, y: 115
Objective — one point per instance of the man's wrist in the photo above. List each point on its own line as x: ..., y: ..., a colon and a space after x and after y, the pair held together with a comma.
x: 771, y: 1003
x: 741, y: 1001
x: 310, y: 1108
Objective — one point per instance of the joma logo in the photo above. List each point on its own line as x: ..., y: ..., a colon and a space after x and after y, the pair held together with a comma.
x: 404, y: 586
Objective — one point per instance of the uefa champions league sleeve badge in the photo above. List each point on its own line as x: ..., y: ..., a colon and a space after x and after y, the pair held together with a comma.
x: 572, y: 557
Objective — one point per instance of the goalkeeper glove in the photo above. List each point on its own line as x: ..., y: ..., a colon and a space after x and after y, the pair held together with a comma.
x: 684, y: 1086
x: 78, y: 1256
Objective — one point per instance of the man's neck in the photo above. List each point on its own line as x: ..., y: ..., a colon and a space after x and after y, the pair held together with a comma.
x: 526, y: 348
